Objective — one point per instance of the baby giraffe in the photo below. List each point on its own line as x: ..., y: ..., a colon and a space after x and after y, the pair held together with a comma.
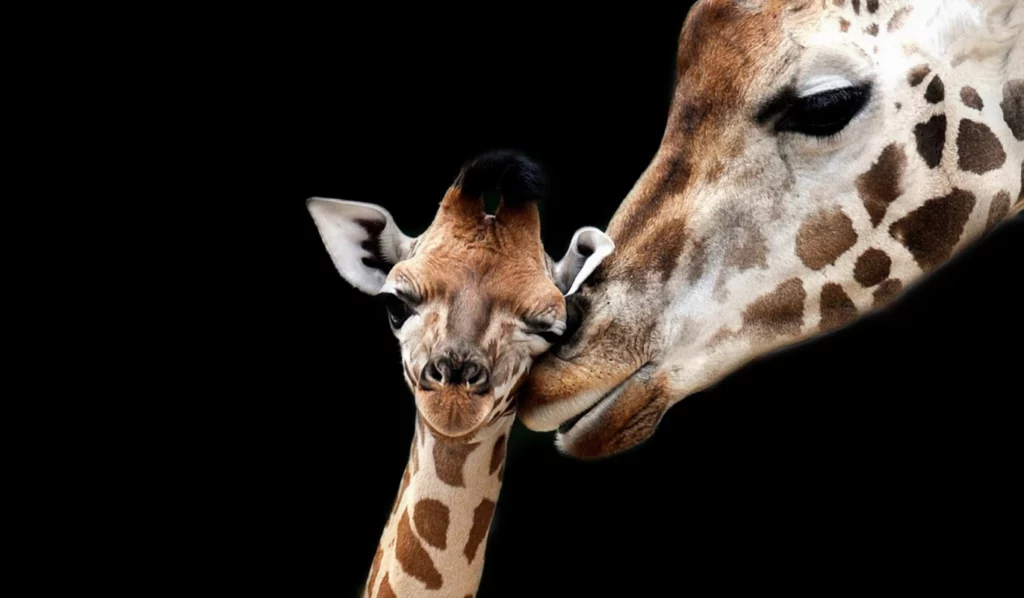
x: 473, y: 300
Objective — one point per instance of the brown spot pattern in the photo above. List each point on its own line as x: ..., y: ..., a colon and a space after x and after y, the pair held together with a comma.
x: 898, y: 19
x: 978, y: 148
x: 931, y: 231
x: 917, y: 74
x: 856, y: 6
x: 871, y: 29
x: 839, y: 2
x: 481, y: 522
x: 882, y: 183
x: 413, y: 557
x: 844, y: 25
x: 431, y: 519
x: 385, y: 588
x: 836, y: 307
x: 931, y: 139
x: 497, y: 454
x: 998, y: 209
x: 872, y: 6
x: 887, y: 291
x: 824, y: 237
x: 449, y: 460
x: 374, y: 569
x: 778, y: 312
x: 969, y: 96
x: 936, y: 91
x: 1013, y: 107
x: 872, y: 267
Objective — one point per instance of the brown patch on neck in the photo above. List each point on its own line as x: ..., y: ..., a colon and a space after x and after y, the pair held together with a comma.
x: 823, y: 237
x: 836, y: 307
x: 917, y: 74
x: 844, y: 25
x: 998, y: 209
x: 431, y: 519
x: 931, y: 231
x: 872, y: 29
x: 481, y: 523
x: 780, y: 312
x: 497, y: 454
x: 872, y: 267
x: 413, y: 557
x: 872, y: 6
x: 931, y: 139
x: 450, y: 460
x: 883, y: 182
x: 887, y: 291
x: 385, y: 588
x: 936, y: 91
x: 969, y: 96
x: 978, y: 148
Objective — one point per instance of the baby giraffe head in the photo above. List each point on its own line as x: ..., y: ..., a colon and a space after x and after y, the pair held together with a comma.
x: 473, y: 299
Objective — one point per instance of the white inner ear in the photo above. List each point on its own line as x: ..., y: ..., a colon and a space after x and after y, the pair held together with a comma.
x: 338, y: 224
x: 823, y: 83
x: 599, y: 246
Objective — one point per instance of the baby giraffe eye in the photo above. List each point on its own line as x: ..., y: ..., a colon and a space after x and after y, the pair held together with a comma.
x: 398, y: 310
x: 825, y: 113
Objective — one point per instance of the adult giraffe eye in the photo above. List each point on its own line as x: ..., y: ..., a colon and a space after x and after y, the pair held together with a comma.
x: 826, y: 113
x: 398, y: 310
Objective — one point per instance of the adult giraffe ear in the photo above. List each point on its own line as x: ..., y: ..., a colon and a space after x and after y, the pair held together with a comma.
x: 362, y: 239
x: 588, y: 248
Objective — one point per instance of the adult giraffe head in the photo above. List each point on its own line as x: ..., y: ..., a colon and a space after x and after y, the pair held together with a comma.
x: 473, y: 299
x: 819, y: 156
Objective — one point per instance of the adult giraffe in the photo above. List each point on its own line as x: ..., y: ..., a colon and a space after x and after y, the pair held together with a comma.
x: 819, y: 157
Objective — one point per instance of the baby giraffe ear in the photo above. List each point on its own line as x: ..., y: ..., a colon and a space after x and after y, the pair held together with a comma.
x: 587, y: 250
x: 363, y: 240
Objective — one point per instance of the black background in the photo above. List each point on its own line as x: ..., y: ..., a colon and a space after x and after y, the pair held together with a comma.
x: 882, y: 456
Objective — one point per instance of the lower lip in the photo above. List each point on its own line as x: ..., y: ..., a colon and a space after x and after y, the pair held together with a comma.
x: 614, y: 392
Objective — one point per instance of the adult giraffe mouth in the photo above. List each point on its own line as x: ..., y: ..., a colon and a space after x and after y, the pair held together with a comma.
x: 593, y: 411
x: 570, y: 423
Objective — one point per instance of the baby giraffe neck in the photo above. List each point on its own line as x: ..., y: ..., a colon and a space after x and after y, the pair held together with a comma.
x: 433, y: 544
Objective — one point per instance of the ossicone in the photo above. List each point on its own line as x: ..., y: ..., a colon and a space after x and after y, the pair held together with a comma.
x: 516, y: 177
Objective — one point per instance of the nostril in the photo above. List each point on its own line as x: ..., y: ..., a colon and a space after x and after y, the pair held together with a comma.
x: 480, y: 380
x: 431, y: 373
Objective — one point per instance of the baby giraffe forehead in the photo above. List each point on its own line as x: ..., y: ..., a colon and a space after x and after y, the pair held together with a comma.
x: 456, y: 273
